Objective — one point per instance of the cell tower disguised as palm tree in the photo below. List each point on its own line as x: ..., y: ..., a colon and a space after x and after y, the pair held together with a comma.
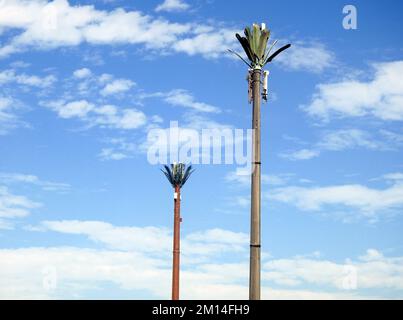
x: 258, y: 55
x: 177, y: 175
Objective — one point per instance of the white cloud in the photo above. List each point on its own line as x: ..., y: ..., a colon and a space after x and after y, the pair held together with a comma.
x: 8, y: 50
x: 365, y: 201
x: 381, y: 97
x: 372, y: 255
x: 195, y: 246
x: 56, y: 24
x: 312, y: 57
x: 74, y: 109
x: 6, y: 225
x: 210, y: 43
x: 347, y: 139
x: 32, y: 179
x: 20, y: 64
x: 118, y: 149
x: 8, y: 118
x: 183, y: 98
x: 303, y: 154
x: 372, y: 271
x: 82, y: 73
x: 294, y: 272
x: 245, y: 179
x: 10, y: 76
x: 240, y: 179
x: 395, y: 176
x: 105, y: 77
x: 73, y: 271
x: 65, y: 272
x: 36, y: 81
x: 396, y: 138
x: 105, y: 85
x: 147, y: 239
x: 5, y: 103
x: 172, y: 5
x: 338, y: 140
x: 104, y: 116
x: 120, y: 27
x: 137, y: 262
x: 240, y: 201
x: 130, y: 119
x: 48, y: 25
x: 15, y: 206
x: 117, y: 86
x: 111, y: 154
x: 219, y: 236
x: 199, y: 122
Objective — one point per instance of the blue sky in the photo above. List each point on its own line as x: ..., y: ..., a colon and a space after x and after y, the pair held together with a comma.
x: 83, y: 214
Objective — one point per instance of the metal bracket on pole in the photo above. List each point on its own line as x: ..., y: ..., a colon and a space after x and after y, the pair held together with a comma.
x: 249, y: 79
x: 265, y: 81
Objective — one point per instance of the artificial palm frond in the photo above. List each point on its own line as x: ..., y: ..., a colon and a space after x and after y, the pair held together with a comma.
x: 177, y: 174
x: 270, y: 49
x: 245, y: 45
x: 240, y: 57
x: 255, y: 46
x: 275, y: 54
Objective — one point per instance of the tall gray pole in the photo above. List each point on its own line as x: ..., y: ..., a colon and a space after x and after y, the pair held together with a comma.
x: 254, y: 276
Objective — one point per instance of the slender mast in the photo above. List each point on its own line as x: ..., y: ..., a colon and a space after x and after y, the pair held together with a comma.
x: 176, y: 245
x: 254, y: 276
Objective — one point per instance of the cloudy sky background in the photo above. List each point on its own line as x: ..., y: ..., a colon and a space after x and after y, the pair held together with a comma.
x: 84, y: 215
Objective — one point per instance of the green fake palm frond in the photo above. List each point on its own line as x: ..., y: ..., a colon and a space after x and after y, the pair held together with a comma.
x: 254, y: 44
x: 177, y: 174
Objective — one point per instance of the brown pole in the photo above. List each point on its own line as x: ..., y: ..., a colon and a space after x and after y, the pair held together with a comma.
x: 254, y: 275
x: 176, y: 245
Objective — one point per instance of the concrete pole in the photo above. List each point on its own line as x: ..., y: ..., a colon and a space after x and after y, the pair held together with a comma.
x: 254, y: 275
